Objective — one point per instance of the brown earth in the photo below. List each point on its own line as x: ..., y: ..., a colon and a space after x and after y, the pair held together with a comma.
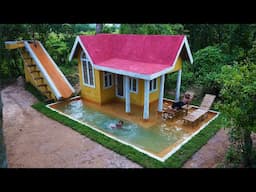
x: 33, y: 140
x: 212, y: 153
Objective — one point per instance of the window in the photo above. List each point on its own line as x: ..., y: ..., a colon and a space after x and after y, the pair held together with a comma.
x: 133, y: 85
x: 87, y: 71
x: 153, y: 85
x: 107, y: 79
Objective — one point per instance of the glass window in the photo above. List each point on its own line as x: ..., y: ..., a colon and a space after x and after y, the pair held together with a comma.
x: 153, y: 85
x: 107, y: 79
x: 88, y: 72
x: 133, y: 85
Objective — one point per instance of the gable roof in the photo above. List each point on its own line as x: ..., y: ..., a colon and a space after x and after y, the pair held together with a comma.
x: 142, y: 56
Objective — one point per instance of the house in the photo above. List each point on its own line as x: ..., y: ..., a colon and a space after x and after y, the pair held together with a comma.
x: 130, y: 68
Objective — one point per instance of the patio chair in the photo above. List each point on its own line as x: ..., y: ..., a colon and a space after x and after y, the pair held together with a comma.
x: 201, y: 112
x: 170, y: 113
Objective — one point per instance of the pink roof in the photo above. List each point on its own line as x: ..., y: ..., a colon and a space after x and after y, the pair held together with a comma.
x: 142, y: 54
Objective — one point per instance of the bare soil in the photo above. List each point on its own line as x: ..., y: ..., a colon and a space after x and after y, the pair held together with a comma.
x: 35, y: 141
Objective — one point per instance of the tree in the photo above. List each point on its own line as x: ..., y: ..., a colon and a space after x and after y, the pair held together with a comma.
x: 238, y: 95
x: 167, y: 29
x: 206, y: 68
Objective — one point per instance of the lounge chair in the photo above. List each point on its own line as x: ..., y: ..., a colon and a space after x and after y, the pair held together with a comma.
x: 170, y: 113
x: 201, y: 112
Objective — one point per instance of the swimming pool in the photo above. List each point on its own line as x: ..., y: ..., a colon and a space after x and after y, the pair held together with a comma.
x: 158, y: 141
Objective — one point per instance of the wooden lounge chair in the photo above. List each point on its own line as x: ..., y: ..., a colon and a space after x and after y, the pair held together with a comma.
x: 169, y: 113
x: 201, y: 112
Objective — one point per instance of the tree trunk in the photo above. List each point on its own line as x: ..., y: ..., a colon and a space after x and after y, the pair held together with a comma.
x: 247, y: 147
x: 99, y: 28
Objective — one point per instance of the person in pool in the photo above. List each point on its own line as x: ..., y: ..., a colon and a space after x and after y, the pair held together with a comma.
x: 118, y: 125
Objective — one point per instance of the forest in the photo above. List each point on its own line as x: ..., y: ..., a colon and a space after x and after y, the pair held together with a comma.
x: 224, y: 65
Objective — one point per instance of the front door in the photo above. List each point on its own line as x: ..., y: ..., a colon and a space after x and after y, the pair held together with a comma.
x: 120, y: 86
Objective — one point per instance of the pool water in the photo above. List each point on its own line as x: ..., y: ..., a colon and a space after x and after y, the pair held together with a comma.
x: 154, y: 139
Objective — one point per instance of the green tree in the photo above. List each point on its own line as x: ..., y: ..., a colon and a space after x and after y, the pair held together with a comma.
x: 57, y: 47
x: 168, y: 29
x: 206, y: 68
x: 238, y: 96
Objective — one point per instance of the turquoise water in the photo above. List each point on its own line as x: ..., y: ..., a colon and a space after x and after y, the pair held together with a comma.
x: 153, y: 139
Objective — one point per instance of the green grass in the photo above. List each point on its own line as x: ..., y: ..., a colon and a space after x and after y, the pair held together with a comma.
x: 175, y: 161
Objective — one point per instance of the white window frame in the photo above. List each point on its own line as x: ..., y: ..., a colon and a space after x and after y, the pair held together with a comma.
x: 109, y: 83
x: 152, y: 83
x: 131, y: 85
x: 88, y: 62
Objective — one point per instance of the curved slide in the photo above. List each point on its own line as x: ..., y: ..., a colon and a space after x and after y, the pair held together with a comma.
x: 58, y: 83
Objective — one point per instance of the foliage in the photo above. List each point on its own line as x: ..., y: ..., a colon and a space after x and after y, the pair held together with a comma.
x: 238, y: 95
x: 176, y: 160
x: 71, y: 73
x: 207, y: 67
x: 57, y: 46
x: 171, y: 81
x: 151, y: 29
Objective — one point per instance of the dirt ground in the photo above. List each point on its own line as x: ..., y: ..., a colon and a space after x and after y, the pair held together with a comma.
x: 211, y: 154
x: 35, y: 141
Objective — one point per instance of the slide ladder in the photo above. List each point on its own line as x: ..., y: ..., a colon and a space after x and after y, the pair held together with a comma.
x: 41, y: 71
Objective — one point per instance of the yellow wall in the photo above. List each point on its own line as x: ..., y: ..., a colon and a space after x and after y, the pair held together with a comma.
x: 90, y: 93
x: 138, y: 98
x: 101, y: 95
x: 178, y: 65
x: 107, y: 94
x: 154, y: 95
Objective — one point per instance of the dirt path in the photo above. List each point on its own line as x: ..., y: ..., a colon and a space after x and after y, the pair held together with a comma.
x: 211, y: 154
x: 33, y: 140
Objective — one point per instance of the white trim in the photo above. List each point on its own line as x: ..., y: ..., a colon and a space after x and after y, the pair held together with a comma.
x: 162, y: 159
x: 57, y: 68
x: 109, y: 82
x: 87, y: 71
x: 188, y: 50
x: 78, y: 40
x: 146, y: 100
x: 121, y: 72
x: 119, y: 96
x: 153, y: 90
x: 43, y: 71
x: 131, y: 87
x: 161, y: 94
x: 178, y: 84
x: 127, y: 95
x: 73, y: 49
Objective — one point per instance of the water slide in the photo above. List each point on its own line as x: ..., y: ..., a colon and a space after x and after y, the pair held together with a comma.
x: 42, y: 71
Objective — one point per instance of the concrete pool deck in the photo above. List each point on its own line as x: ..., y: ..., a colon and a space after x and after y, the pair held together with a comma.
x: 33, y: 140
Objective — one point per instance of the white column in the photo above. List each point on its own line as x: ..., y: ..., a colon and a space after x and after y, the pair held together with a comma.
x: 127, y: 95
x: 177, y: 97
x: 161, y: 94
x: 146, y: 100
